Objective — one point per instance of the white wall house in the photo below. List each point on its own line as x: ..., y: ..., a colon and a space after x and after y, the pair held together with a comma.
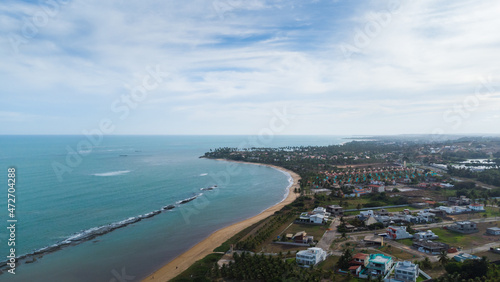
x: 322, y: 211
x: 427, y: 235
x: 476, y: 207
x: 426, y: 216
x: 398, y: 232
x: 311, y: 218
x: 406, y: 271
x: 493, y: 231
x: 367, y: 213
x: 311, y: 256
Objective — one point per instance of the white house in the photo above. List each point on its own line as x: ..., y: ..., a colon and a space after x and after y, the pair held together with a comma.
x: 476, y: 207
x: 322, y: 211
x: 378, y: 264
x: 367, y: 213
x: 427, y: 235
x: 406, y: 271
x: 317, y: 218
x: 493, y: 231
x: 398, y: 232
x: 426, y: 216
x: 305, y: 217
x: 447, y: 210
x: 454, y: 209
x: 311, y: 256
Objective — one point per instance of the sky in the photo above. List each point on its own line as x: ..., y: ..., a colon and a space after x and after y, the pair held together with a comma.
x: 252, y: 67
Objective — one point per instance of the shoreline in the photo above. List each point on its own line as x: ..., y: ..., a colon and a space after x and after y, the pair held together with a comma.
x: 207, y: 245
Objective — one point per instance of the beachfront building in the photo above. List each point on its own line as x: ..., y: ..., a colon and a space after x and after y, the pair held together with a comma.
x: 378, y: 264
x: 406, y: 271
x: 398, y: 232
x: 306, y: 217
x: 322, y: 211
x: 425, y: 235
x: 311, y: 256
x: 464, y: 227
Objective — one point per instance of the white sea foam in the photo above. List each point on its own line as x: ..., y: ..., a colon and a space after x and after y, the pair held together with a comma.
x: 204, y: 174
x: 112, y: 173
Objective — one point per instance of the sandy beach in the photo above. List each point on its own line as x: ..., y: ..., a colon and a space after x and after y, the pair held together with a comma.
x: 205, y: 247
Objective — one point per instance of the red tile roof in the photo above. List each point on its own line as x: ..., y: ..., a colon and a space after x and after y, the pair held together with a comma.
x: 360, y: 256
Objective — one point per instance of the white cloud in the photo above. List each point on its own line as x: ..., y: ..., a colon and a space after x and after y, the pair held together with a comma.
x: 232, y: 61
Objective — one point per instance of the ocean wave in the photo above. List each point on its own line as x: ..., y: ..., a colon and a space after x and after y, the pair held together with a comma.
x: 92, y: 233
x: 204, y: 174
x: 112, y: 173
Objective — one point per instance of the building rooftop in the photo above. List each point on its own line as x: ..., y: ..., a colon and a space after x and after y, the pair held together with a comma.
x: 465, y: 256
x: 494, y: 228
x: 379, y: 258
x: 406, y: 266
x: 360, y: 256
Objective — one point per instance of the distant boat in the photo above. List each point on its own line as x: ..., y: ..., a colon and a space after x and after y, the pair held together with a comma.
x: 209, y: 188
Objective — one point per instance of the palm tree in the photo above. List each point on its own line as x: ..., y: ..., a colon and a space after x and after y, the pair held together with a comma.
x: 443, y: 257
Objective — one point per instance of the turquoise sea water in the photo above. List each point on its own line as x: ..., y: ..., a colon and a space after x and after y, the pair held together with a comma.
x: 123, y: 178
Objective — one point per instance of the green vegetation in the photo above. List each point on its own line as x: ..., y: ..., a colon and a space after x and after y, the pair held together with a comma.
x: 407, y: 242
x: 345, y: 258
x: 263, y: 268
x: 453, y: 238
x: 224, y: 247
x: 488, y: 176
x: 341, y: 168
x: 199, y: 269
x: 468, y: 269
x: 263, y: 233
x: 312, y: 230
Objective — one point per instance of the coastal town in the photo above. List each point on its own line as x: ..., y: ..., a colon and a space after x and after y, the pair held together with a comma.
x: 384, y: 210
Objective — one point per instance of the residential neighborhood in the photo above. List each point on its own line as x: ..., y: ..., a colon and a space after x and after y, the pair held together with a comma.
x: 381, y: 210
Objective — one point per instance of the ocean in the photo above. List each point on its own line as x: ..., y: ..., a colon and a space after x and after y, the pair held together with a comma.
x: 99, y: 205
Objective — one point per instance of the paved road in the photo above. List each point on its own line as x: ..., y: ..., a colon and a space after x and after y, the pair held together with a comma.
x: 326, y: 241
x: 329, y: 236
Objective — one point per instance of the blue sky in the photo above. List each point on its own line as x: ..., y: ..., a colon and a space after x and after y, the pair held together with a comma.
x: 330, y: 67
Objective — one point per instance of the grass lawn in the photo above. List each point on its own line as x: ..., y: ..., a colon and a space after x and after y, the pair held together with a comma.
x: 466, y: 241
x: 329, y: 263
x: 453, y: 238
x: 407, y: 242
x: 394, y: 210
x: 420, y: 278
x: 400, y: 209
x: 491, y: 211
x: 312, y: 230
x: 490, y: 255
